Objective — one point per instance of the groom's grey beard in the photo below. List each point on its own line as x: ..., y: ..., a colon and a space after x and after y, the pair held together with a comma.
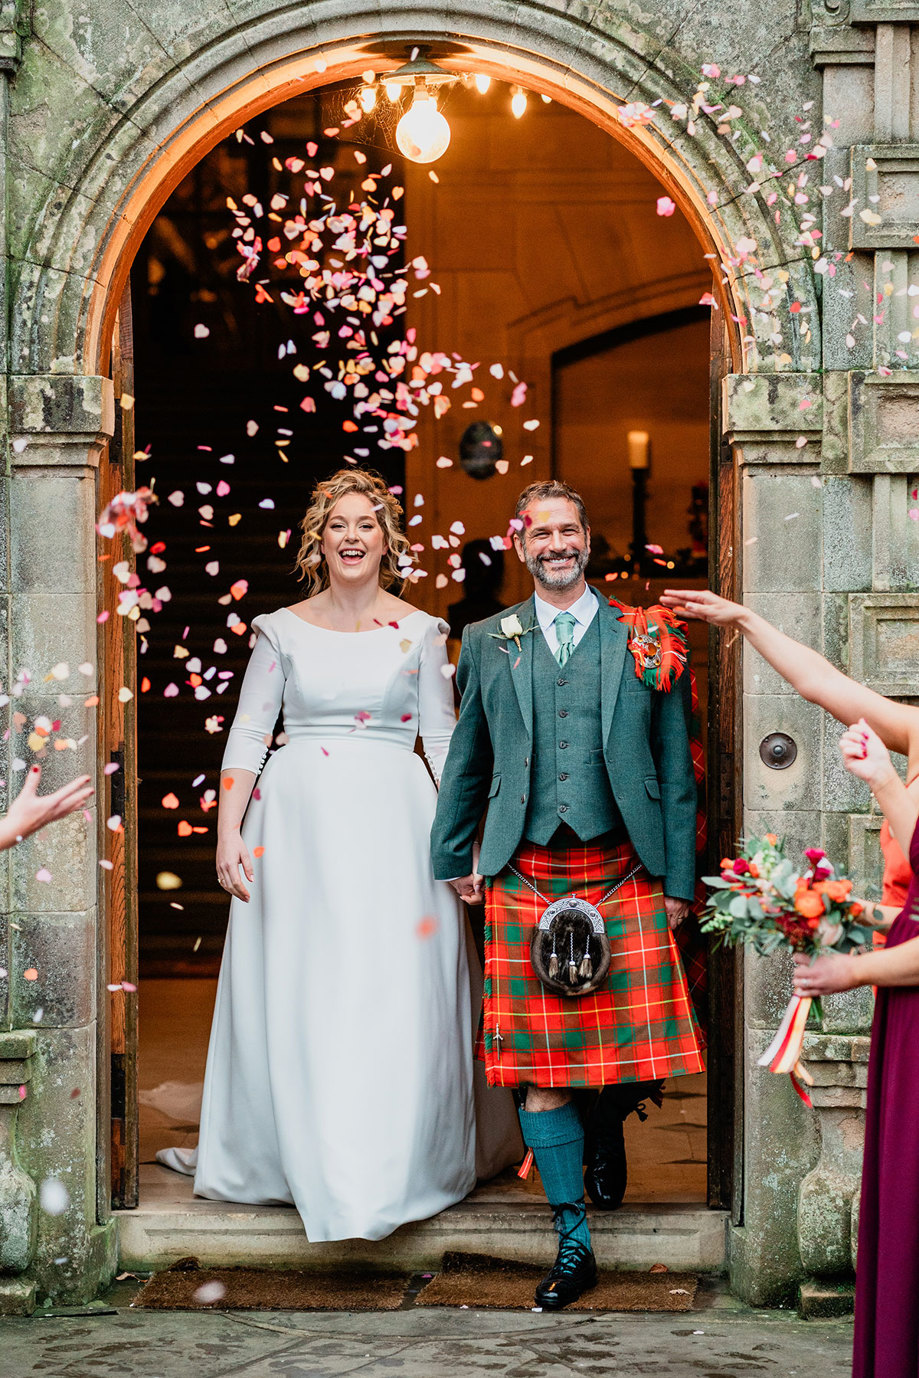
x: 541, y: 568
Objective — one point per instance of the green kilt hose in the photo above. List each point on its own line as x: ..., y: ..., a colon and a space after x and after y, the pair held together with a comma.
x: 639, y: 1026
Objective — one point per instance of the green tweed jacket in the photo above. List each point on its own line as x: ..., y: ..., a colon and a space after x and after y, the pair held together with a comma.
x: 489, y: 765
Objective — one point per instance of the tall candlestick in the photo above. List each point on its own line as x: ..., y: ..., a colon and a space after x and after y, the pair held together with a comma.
x: 639, y: 443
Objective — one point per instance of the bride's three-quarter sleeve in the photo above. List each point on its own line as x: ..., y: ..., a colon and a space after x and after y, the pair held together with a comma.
x: 436, y: 713
x: 260, y: 699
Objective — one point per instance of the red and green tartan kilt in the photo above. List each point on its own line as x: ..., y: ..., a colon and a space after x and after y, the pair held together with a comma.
x: 639, y: 1026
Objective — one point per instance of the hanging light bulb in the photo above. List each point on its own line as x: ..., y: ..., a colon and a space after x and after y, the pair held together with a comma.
x: 482, y: 83
x: 546, y: 100
x: 368, y: 98
x: 393, y: 90
x: 423, y: 134
x: 518, y: 103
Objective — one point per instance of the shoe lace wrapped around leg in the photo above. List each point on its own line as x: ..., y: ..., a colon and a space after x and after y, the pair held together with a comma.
x: 571, y: 1251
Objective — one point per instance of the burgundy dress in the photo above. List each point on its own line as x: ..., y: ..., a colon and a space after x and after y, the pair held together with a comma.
x: 887, y: 1281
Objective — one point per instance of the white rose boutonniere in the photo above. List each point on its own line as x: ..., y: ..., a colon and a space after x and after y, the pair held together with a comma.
x: 511, y: 630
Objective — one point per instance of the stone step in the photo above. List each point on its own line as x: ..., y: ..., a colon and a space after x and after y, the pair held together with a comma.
x: 170, y: 1224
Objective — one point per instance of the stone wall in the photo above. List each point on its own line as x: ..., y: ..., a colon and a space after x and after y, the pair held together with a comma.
x: 835, y: 565
x: 104, y: 105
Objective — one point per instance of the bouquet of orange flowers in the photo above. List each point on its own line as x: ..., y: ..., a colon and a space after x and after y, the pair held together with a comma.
x: 763, y: 898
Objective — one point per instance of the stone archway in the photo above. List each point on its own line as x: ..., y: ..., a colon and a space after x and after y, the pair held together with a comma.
x: 82, y: 242
x: 79, y: 239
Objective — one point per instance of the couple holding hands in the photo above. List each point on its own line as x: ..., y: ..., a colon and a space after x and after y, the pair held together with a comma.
x: 341, y: 1074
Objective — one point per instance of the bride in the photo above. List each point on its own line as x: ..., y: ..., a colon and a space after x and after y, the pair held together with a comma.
x: 340, y: 1072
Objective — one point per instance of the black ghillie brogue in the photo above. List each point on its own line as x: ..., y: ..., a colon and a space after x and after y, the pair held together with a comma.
x: 606, y: 1175
x: 575, y: 1268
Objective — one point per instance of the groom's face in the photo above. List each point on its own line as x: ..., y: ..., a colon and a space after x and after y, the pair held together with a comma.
x: 553, y: 544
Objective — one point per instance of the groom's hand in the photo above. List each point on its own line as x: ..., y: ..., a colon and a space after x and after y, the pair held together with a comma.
x: 677, y: 911
x: 469, y: 888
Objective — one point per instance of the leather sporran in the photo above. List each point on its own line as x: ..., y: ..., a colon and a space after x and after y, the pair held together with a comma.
x: 569, y: 948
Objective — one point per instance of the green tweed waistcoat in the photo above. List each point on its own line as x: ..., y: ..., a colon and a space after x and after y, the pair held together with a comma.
x: 569, y: 781
x: 490, y: 765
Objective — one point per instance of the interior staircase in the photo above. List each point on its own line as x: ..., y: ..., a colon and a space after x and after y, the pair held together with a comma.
x: 182, y: 930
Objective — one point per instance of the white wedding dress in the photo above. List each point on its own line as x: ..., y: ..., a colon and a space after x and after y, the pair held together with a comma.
x: 340, y: 1071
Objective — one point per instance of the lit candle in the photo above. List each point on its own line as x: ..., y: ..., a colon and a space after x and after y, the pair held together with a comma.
x: 639, y: 449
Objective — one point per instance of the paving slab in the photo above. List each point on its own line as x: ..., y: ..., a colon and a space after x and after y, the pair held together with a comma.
x: 720, y: 1339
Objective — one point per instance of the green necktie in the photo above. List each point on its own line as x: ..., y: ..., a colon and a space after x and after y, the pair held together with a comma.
x: 564, y: 630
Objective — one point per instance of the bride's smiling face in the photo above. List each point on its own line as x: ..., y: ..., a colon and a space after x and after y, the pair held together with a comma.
x: 353, y: 542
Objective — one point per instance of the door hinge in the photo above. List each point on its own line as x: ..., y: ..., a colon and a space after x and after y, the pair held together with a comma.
x: 119, y: 788
x: 119, y: 1087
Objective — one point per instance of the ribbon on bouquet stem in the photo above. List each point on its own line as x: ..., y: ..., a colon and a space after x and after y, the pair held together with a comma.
x: 784, y: 1052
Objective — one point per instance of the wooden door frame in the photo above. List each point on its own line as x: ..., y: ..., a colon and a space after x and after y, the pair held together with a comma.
x: 724, y: 754
x: 724, y: 799
x: 118, y: 1126
x: 116, y: 798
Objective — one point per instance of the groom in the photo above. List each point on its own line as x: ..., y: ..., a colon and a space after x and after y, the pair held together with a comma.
x: 586, y: 776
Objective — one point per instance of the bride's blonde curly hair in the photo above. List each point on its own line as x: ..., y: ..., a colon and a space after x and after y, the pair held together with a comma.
x: 388, y: 511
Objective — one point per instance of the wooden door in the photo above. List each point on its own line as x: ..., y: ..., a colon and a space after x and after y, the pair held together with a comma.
x: 117, y: 790
x: 724, y: 775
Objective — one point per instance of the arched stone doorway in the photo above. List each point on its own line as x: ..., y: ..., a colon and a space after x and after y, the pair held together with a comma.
x: 121, y: 175
x: 112, y: 182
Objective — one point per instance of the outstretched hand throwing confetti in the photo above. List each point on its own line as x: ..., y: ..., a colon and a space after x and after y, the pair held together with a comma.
x: 31, y: 811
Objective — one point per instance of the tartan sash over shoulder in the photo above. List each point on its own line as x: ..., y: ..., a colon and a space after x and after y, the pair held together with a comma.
x: 639, y: 1026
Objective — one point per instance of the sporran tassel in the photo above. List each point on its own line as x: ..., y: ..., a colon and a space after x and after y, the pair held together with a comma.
x: 553, y: 960
x: 586, y: 969
x: 572, y: 963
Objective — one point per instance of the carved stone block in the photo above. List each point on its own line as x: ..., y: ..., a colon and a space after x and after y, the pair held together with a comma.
x: 825, y: 1200
x: 884, y: 12
x: 889, y: 173
x: 866, y: 864
x: 14, y: 27
x: 838, y: 44
x: 79, y: 407
x: 772, y: 407
x: 884, y: 641
x: 894, y: 536
x: 782, y: 509
x: 883, y: 412
x: 18, y: 1221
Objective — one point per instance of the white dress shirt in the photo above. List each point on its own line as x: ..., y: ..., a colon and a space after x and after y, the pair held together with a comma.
x: 583, y: 611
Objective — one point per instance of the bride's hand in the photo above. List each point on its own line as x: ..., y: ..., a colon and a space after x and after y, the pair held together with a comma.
x: 232, y: 853
x: 469, y: 888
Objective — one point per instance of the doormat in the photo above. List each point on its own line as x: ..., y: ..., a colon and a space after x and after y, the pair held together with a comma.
x: 483, y: 1283
x: 186, y: 1287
